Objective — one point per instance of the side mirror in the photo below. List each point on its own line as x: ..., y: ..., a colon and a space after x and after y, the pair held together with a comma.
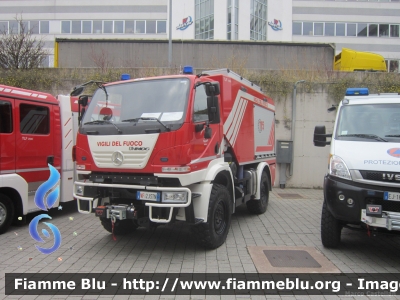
x: 83, y: 100
x: 332, y: 108
x: 212, y: 89
x: 207, y: 133
x: 213, y: 109
x: 320, y: 136
x: 77, y: 90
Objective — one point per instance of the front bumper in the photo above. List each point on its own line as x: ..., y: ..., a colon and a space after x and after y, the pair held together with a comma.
x: 127, y: 211
x: 354, y: 212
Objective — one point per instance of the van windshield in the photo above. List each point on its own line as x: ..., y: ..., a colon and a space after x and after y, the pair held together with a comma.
x: 367, y: 122
x: 160, y: 100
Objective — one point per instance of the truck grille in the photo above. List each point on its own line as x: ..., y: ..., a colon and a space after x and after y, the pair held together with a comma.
x: 393, y: 206
x: 381, y: 176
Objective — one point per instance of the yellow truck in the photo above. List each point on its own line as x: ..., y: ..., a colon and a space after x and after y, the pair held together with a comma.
x: 351, y: 60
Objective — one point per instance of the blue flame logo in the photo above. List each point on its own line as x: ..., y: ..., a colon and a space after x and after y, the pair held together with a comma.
x: 35, y: 235
x: 51, y: 186
x: 51, y: 189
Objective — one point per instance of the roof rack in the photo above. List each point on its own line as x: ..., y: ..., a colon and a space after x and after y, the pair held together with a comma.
x: 233, y: 75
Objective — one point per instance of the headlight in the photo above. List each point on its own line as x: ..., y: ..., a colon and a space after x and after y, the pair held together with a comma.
x: 79, y: 190
x: 338, y: 168
x: 174, y: 197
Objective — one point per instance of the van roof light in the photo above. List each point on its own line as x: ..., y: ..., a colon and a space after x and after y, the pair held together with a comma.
x: 187, y: 70
x: 357, y: 92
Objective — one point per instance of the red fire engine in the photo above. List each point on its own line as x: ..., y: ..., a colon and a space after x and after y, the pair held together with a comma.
x: 176, y: 148
x: 36, y: 129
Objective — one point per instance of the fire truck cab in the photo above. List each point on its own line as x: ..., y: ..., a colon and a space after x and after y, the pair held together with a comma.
x: 36, y: 130
x: 183, y: 147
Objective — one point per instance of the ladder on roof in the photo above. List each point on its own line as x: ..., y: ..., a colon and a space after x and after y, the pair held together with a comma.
x: 235, y: 76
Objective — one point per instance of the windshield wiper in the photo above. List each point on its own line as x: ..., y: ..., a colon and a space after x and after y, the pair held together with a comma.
x: 393, y: 135
x: 147, y: 119
x: 366, y: 136
x: 103, y: 122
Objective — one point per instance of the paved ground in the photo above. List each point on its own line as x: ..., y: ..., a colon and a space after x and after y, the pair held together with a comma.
x: 87, y: 247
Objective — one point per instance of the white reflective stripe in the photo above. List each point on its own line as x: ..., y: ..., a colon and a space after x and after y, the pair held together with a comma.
x: 20, y: 93
x: 26, y: 170
x: 204, y: 159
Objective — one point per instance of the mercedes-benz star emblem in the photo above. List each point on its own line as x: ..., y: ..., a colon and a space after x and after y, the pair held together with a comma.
x: 117, y: 158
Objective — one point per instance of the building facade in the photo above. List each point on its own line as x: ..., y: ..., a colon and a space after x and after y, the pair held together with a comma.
x: 362, y: 25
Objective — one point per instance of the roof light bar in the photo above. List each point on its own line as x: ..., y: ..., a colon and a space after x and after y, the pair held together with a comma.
x: 357, y: 92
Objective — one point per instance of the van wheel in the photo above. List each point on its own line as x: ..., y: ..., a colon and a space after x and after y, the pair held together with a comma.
x: 121, y: 227
x: 260, y: 206
x: 330, y: 228
x: 6, y: 213
x: 213, y: 233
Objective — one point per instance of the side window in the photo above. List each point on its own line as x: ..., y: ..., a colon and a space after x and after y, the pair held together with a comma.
x: 34, y: 119
x: 200, y: 105
x: 5, y: 117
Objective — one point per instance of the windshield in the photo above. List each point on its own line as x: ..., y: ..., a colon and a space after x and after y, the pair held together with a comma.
x: 162, y: 100
x: 369, y: 122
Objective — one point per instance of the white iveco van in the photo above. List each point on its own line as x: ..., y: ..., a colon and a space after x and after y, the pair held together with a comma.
x: 362, y: 186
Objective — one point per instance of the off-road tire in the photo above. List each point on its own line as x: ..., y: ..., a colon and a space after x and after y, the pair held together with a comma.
x: 6, y: 213
x: 121, y: 227
x: 213, y: 233
x: 330, y: 228
x: 260, y: 206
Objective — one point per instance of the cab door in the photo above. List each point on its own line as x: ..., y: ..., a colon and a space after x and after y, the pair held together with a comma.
x: 34, y: 142
x: 7, y: 136
x: 204, y: 149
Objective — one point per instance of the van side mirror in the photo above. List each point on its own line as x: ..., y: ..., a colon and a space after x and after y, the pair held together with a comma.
x: 212, y: 89
x: 320, y: 136
x: 77, y: 90
x: 213, y: 109
x: 83, y: 100
x: 208, y: 133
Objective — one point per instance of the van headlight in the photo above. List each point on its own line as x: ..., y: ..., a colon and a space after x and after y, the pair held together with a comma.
x: 338, y: 168
x: 174, y: 197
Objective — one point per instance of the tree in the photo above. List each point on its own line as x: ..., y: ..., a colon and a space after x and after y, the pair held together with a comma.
x: 19, y: 49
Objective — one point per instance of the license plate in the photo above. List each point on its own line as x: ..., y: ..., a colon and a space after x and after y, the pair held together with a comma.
x: 391, y: 196
x: 150, y: 196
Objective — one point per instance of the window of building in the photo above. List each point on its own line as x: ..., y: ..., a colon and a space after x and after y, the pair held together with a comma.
x: 351, y: 29
x: 258, y: 20
x: 296, y: 28
x: 340, y: 29
x: 161, y: 26
x: 76, y: 27
x: 394, y: 66
x: 44, y: 27
x: 229, y: 21
x: 140, y: 27
x: 97, y: 26
x: 13, y: 27
x: 34, y: 119
x: 318, y: 28
x: 129, y: 26
x: 107, y: 26
x: 394, y: 30
x: 307, y: 28
x: 373, y: 30
x: 86, y: 26
x: 383, y: 30
x: 362, y: 29
x: 65, y: 26
x: 329, y: 29
x: 118, y: 26
x: 200, y: 105
x: 6, y: 124
x: 150, y: 26
x: 236, y: 18
x: 34, y: 27
x: 204, y: 16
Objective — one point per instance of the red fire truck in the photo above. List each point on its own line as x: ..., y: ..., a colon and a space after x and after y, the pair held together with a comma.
x: 189, y: 148
x: 36, y: 129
